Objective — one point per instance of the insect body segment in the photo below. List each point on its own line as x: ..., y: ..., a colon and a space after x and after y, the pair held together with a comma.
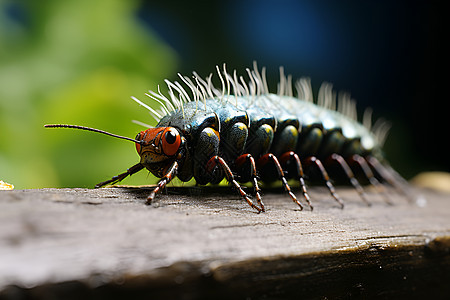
x: 252, y: 135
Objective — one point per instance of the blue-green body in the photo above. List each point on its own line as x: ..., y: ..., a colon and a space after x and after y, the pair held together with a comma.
x: 263, y: 124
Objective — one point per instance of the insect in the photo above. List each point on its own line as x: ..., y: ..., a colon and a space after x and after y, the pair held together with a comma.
x: 244, y: 133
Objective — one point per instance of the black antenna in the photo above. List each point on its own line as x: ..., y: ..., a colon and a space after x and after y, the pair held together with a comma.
x: 93, y: 130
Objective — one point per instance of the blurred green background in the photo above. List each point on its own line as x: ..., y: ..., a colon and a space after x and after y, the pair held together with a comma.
x: 79, y: 61
x: 75, y: 62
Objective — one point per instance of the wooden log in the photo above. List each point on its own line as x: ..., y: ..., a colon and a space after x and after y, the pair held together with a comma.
x: 202, y: 243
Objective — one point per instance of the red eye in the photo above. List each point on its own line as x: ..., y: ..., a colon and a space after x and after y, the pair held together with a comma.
x: 171, y: 141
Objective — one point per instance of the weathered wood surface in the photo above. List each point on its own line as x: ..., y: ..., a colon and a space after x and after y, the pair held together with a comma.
x: 202, y: 243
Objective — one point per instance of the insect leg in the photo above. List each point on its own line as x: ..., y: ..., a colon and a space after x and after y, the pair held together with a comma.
x: 369, y: 175
x: 216, y: 160
x: 326, y: 178
x: 170, y: 174
x: 242, y: 160
x: 263, y: 160
x: 351, y: 177
x: 134, y: 169
x: 390, y: 176
x: 292, y: 156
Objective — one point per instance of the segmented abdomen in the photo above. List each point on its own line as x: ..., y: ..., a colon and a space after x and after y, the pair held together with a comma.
x: 266, y: 124
x: 279, y: 132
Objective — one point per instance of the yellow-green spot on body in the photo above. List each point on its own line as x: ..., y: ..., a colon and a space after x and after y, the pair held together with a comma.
x: 209, y: 133
x: 294, y: 131
x: 241, y: 126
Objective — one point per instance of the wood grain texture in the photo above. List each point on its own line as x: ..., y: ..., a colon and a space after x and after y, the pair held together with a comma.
x: 206, y: 242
